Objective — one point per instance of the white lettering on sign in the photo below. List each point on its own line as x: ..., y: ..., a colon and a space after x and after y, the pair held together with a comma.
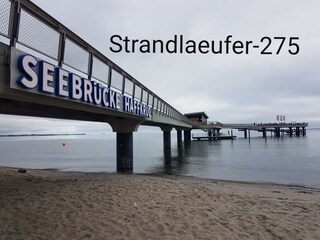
x: 29, y: 78
x: 62, y: 78
x: 46, y: 72
x: 52, y: 80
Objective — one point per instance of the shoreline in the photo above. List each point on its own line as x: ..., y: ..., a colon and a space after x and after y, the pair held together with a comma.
x: 195, y: 178
x: 53, y: 204
x: 214, y: 180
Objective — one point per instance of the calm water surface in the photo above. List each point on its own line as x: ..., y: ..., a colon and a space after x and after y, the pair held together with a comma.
x: 286, y: 160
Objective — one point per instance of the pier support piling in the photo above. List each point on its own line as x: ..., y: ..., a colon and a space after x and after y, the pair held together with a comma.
x: 124, y: 140
x: 166, y: 140
x: 297, y: 132
x: 124, y: 152
x: 264, y: 132
x: 187, y: 136
x: 210, y: 133
x: 277, y: 132
x: 179, y: 137
x: 245, y: 133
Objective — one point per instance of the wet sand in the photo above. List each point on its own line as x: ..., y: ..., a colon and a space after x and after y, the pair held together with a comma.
x: 48, y: 204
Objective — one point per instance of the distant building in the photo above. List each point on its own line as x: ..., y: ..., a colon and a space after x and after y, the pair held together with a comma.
x: 198, y: 117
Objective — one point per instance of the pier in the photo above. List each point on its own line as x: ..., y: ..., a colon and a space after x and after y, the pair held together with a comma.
x: 212, y: 128
x: 46, y: 70
x: 297, y: 129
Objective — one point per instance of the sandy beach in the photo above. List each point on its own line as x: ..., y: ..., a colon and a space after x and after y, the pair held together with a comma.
x: 48, y: 204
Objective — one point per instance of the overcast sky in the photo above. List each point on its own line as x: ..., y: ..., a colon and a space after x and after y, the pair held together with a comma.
x: 228, y: 87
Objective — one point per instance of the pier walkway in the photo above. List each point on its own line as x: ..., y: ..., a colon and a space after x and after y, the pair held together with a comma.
x: 293, y: 128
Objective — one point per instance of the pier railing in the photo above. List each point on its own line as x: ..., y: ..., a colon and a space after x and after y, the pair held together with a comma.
x: 24, y: 25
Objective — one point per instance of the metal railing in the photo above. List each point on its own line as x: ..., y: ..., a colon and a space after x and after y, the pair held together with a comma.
x: 25, y: 25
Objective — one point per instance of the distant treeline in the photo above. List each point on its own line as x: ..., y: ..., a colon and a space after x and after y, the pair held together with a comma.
x: 41, y: 135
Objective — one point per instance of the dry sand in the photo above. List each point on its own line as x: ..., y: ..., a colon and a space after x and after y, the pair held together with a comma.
x: 42, y: 204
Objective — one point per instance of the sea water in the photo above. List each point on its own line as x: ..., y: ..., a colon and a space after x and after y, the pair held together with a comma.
x: 286, y: 160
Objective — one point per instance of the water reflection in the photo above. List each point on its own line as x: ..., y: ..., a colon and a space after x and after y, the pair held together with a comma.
x: 180, y: 159
x: 275, y: 160
x: 290, y: 160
